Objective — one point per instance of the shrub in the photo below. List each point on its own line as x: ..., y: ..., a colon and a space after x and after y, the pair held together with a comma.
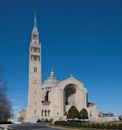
x: 46, y: 120
x: 120, y: 127
x: 51, y: 120
x: 102, y: 126
x: 97, y: 125
x: 108, y: 126
x: 38, y: 121
x: 92, y: 125
x: 114, y: 126
x: 88, y: 125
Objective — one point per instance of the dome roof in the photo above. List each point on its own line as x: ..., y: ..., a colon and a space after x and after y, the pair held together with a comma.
x: 52, y: 80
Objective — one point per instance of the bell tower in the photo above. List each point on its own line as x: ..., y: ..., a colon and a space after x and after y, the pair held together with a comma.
x: 35, y: 56
x: 35, y: 78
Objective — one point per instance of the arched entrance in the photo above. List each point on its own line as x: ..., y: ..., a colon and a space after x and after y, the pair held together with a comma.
x: 69, y: 97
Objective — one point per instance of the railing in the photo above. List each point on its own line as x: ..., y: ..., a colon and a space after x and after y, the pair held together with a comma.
x: 45, y: 102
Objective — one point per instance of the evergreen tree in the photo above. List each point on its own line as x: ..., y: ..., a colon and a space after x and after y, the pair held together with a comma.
x: 83, y: 114
x: 73, y: 113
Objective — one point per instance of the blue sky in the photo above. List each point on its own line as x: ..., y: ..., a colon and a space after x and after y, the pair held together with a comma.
x: 79, y: 37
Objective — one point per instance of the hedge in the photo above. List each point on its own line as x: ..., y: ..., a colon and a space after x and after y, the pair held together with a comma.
x: 88, y: 125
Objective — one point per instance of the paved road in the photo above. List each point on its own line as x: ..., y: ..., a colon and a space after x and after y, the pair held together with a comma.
x: 28, y: 126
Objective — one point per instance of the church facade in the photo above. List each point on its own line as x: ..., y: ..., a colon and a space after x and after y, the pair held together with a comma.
x: 52, y: 98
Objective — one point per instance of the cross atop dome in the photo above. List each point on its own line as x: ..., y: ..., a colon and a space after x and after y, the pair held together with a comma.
x: 52, y: 73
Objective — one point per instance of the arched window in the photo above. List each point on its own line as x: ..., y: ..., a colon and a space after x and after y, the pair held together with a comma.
x: 35, y: 69
x: 34, y: 112
x: 70, y: 91
x: 48, y: 112
x: 46, y: 96
x: 42, y: 112
x: 45, y: 112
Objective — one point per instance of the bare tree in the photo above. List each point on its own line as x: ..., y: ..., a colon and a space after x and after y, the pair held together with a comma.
x: 5, y: 105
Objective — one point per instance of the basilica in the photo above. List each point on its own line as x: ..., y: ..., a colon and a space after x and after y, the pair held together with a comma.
x: 52, y: 98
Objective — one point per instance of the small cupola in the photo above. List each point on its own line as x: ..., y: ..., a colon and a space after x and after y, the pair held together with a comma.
x: 52, y: 80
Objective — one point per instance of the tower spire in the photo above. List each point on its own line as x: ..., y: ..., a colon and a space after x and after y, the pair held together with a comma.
x: 35, y: 33
x: 52, y: 69
x: 35, y: 20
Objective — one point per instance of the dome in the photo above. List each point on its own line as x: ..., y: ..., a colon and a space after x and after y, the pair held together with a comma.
x: 51, y: 80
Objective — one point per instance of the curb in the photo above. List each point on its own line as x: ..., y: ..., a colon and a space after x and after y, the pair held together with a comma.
x: 58, y: 127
